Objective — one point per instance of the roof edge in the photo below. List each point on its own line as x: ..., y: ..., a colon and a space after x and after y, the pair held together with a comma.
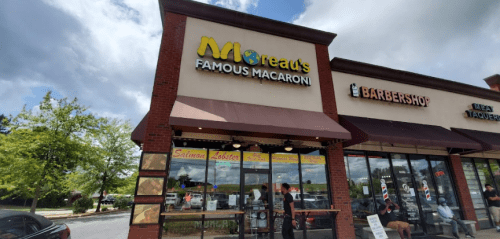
x: 244, y: 20
x: 410, y: 78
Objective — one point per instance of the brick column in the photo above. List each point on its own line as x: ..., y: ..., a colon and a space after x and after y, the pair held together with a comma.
x: 340, y: 192
x: 338, y: 178
x: 463, y: 189
x: 158, y: 131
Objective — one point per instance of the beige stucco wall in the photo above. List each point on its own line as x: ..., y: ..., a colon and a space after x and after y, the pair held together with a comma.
x: 445, y: 109
x: 219, y: 86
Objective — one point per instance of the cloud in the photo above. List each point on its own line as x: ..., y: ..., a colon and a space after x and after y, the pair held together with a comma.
x: 238, y: 5
x: 454, y: 40
x: 103, y: 52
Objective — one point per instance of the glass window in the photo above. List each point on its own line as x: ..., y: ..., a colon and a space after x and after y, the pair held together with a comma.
x: 285, y: 170
x: 31, y: 225
x: 485, y: 177
x: 495, y: 168
x: 314, y: 183
x: 255, y: 160
x: 444, y: 183
x: 382, y: 180
x: 223, y: 180
x: 360, y: 190
x: 426, y: 192
x: 476, y: 193
x: 12, y: 227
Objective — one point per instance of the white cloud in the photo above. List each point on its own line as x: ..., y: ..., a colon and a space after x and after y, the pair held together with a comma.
x: 447, y: 39
x: 238, y: 5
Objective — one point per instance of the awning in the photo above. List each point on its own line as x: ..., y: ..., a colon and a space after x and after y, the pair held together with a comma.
x: 139, y: 133
x: 395, y: 132
x: 232, y: 116
x: 488, y: 140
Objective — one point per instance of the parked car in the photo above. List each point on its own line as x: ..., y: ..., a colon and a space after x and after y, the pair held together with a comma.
x: 222, y: 200
x: 314, y: 220
x: 20, y: 225
x: 172, y: 199
x: 131, y: 202
x: 108, y: 199
x: 197, y: 200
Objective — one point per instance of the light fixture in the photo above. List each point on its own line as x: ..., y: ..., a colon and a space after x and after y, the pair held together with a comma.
x: 317, y: 137
x: 288, y: 146
x: 236, y: 145
x: 199, y: 128
x: 185, y: 143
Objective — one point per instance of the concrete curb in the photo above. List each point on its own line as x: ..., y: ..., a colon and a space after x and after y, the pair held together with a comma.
x: 86, y: 214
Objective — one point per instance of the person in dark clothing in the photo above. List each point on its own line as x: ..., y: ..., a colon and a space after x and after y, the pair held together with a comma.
x: 388, y: 218
x: 264, y: 195
x: 289, y: 216
x: 493, y: 203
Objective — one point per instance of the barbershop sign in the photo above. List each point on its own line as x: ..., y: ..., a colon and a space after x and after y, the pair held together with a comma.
x: 389, y: 96
x: 480, y: 111
x: 252, y: 60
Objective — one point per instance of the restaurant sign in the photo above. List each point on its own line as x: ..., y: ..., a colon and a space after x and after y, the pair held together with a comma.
x: 480, y: 111
x: 388, y: 96
x: 252, y: 60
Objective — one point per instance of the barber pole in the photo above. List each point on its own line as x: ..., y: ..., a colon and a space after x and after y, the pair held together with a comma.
x: 426, y: 190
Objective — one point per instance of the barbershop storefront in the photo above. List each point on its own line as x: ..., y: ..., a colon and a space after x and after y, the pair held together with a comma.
x: 414, y: 139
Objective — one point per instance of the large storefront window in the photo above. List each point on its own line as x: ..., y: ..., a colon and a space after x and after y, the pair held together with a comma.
x: 360, y: 190
x: 413, y: 181
x: 205, y: 180
x: 479, y: 172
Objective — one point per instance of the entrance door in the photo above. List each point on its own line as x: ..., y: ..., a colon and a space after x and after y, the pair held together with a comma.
x: 257, y: 204
x: 407, y: 192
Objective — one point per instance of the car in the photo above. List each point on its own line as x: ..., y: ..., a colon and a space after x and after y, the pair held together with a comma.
x: 20, y: 225
x: 314, y: 220
x: 222, y: 200
x: 108, y: 199
x: 197, y: 200
x: 130, y: 203
x: 172, y: 199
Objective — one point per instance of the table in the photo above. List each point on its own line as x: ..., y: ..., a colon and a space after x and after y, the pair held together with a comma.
x: 332, y: 212
x: 235, y: 212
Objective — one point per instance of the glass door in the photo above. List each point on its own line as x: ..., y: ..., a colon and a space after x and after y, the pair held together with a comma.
x: 257, y: 204
x: 408, y: 192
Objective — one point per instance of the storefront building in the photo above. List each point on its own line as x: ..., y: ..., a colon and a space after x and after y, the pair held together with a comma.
x: 416, y: 138
x: 242, y: 104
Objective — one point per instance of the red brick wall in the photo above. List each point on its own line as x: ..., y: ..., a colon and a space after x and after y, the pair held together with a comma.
x: 158, y: 131
x: 335, y: 153
x: 462, y: 189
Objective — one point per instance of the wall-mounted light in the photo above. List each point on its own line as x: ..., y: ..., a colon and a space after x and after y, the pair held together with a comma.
x: 236, y: 145
x: 199, y: 128
x: 288, y: 146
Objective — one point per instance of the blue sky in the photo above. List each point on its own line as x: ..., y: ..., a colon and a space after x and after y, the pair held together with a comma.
x: 105, y: 51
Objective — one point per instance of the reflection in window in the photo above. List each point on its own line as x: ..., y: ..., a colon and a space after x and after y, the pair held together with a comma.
x: 285, y: 170
x: 381, y: 178
x: 223, y: 180
x: 476, y: 193
x: 495, y: 168
x: 314, y: 183
x: 359, y: 190
x: 255, y: 160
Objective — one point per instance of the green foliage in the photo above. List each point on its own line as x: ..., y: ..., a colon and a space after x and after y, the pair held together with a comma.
x: 44, y: 146
x: 186, y: 228
x: 121, y: 202
x: 104, y: 209
x: 3, y: 122
x: 129, y: 184
x: 81, y: 205
x: 110, y: 161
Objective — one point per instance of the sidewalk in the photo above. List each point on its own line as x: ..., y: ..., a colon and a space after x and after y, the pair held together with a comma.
x: 69, y: 214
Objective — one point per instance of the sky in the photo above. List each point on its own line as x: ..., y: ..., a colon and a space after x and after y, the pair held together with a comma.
x: 104, y: 52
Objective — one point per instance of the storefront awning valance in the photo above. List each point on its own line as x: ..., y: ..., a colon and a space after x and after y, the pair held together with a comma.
x: 395, y: 132
x: 232, y: 116
x: 488, y: 140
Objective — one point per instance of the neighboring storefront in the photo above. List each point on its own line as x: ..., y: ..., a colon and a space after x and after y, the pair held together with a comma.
x: 242, y: 104
x: 412, y: 136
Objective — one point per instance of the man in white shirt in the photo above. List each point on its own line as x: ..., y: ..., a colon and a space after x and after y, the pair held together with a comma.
x: 447, y: 215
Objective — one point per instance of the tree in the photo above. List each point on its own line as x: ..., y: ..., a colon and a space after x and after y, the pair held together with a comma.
x: 4, y: 121
x: 44, y: 145
x: 130, y: 182
x: 110, y: 160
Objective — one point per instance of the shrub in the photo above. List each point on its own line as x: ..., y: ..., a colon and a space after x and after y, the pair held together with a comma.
x: 82, y: 205
x: 104, y: 209
x: 121, y: 203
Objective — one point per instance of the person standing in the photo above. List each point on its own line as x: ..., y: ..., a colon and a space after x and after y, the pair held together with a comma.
x: 447, y: 215
x: 388, y: 219
x: 289, y: 217
x: 493, y: 203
